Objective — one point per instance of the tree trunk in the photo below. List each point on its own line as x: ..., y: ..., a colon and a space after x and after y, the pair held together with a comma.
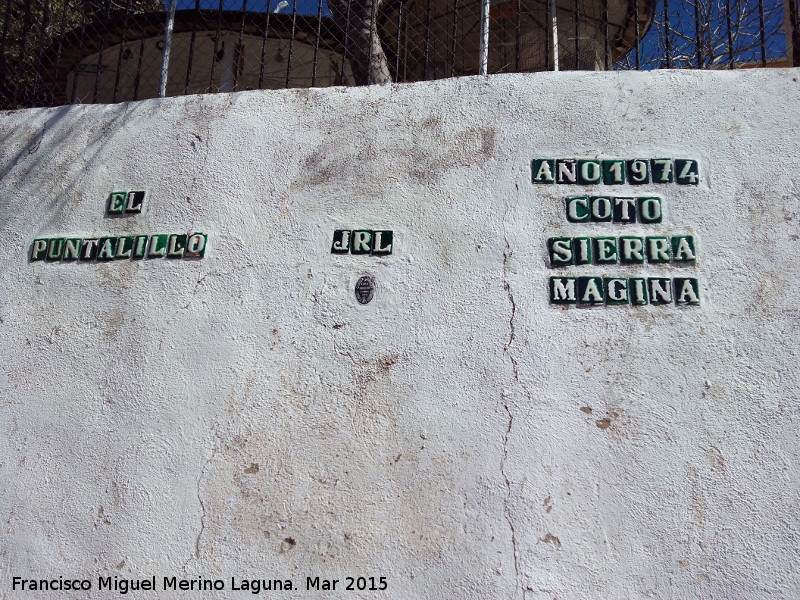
x: 358, y: 19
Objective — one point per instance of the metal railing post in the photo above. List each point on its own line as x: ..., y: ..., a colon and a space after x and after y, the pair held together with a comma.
x: 793, y: 7
x: 553, y: 16
x: 162, y: 84
x: 483, y: 62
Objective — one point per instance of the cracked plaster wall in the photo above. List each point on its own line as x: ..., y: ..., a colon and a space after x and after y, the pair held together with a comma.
x: 242, y: 415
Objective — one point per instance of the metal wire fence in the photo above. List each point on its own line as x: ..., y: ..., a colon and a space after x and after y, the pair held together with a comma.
x: 55, y: 52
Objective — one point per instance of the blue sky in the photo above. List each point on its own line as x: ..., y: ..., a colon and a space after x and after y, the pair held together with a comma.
x: 304, y: 7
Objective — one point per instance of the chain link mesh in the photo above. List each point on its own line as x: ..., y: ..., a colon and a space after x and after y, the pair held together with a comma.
x: 55, y: 52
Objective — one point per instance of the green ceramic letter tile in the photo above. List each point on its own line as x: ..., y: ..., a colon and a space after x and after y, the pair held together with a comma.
x: 631, y: 250
x: 383, y: 241
x: 124, y: 247
x: 662, y: 171
x: 650, y: 210
x: 89, y: 249
x: 683, y: 249
x: 543, y: 170
x: 560, y: 251
x: 624, y: 210
x: 605, y: 250
x: 134, y: 202
x: 616, y: 290
x: 601, y: 209
x: 566, y: 170
x: 582, y: 247
x: 72, y: 249
x: 361, y: 242
x: 106, y: 248
x: 562, y: 290
x: 158, y: 245
x: 657, y: 248
x: 55, y: 247
x: 686, y: 172
x: 140, y: 246
x: 176, y: 245
x: 638, y: 171
x: 577, y: 209
x: 590, y: 172
x: 39, y: 249
x: 196, y: 245
x: 614, y: 172
x: 116, y: 202
x: 590, y: 290
x: 637, y: 290
x: 341, y: 241
x: 660, y: 290
x: 686, y: 291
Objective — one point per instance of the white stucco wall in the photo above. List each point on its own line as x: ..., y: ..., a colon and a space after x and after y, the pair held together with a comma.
x: 243, y: 416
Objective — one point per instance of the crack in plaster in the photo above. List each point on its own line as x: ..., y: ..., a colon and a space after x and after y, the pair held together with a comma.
x: 217, y: 273
x: 345, y: 353
x: 507, y: 351
x: 200, y: 479
x: 202, y: 510
x: 205, y: 129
